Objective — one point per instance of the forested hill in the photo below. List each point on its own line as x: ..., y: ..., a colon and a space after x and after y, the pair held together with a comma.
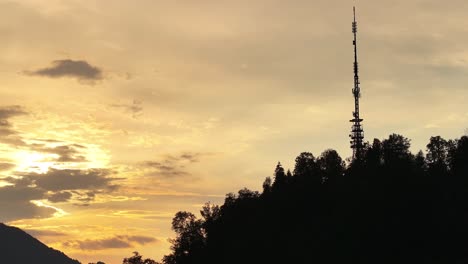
x: 18, y: 247
x: 390, y: 207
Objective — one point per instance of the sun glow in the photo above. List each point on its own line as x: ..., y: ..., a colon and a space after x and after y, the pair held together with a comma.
x: 4, y: 184
x: 33, y: 161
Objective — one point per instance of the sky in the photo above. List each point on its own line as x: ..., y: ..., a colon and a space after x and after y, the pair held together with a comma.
x: 114, y: 115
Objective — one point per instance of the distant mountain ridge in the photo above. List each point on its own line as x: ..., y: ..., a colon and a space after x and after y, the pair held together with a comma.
x: 18, y: 247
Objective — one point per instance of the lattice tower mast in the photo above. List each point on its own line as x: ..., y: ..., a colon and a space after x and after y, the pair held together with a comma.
x: 357, y: 132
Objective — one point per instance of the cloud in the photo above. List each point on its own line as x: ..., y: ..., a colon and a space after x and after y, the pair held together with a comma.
x: 172, y: 166
x: 48, y: 140
x: 7, y: 112
x: 59, y: 197
x: 4, y: 166
x: 8, y: 134
x: 191, y: 157
x: 84, y: 198
x: 135, y: 108
x: 44, y: 233
x: 72, y: 179
x: 66, y: 153
x: 121, y: 241
x: 15, y: 203
x: 16, y: 200
x: 78, y: 69
x: 166, y: 169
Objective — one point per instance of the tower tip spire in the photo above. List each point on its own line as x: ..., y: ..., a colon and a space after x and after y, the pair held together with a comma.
x: 354, y: 13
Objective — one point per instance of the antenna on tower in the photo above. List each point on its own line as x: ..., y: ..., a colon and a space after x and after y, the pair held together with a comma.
x: 357, y: 132
x: 354, y: 14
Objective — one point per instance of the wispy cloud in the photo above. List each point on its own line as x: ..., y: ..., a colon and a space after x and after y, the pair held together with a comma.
x: 120, y: 241
x: 135, y: 108
x: 172, y: 165
x: 44, y: 233
x: 6, y: 166
x: 65, y: 153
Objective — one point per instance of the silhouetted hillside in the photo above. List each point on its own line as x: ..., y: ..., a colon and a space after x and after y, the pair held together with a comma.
x: 18, y: 247
x: 390, y: 206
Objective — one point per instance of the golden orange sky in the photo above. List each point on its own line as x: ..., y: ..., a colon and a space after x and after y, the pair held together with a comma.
x: 114, y: 115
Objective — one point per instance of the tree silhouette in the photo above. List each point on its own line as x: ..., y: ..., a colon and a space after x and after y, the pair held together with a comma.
x: 267, y: 185
x: 459, y: 156
x: 389, y: 207
x: 331, y: 164
x: 437, y: 154
x: 395, y: 148
x: 190, y: 238
x: 305, y: 165
x: 279, y: 176
x: 137, y: 259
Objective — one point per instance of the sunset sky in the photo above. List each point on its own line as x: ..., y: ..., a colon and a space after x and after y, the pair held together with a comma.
x: 116, y: 114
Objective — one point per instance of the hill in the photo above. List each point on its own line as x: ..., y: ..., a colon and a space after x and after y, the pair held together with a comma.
x: 18, y: 247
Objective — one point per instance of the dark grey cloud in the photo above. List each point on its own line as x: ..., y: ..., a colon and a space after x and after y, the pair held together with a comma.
x: 135, y: 108
x: 121, y: 241
x: 58, y: 197
x: 20, y: 192
x: 18, y: 181
x: 78, y: 69
x: 72, y: 179
x: 80, y: 197
x: 55, y: 186
x: 7, y: 112
x: 15, y: 203
x: 66, y: 153
x: 23, y: 210
x: 142, y: 239
x: 8, y: 134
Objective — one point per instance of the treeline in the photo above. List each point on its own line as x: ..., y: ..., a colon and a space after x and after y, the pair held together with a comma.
x: 391, y: 206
